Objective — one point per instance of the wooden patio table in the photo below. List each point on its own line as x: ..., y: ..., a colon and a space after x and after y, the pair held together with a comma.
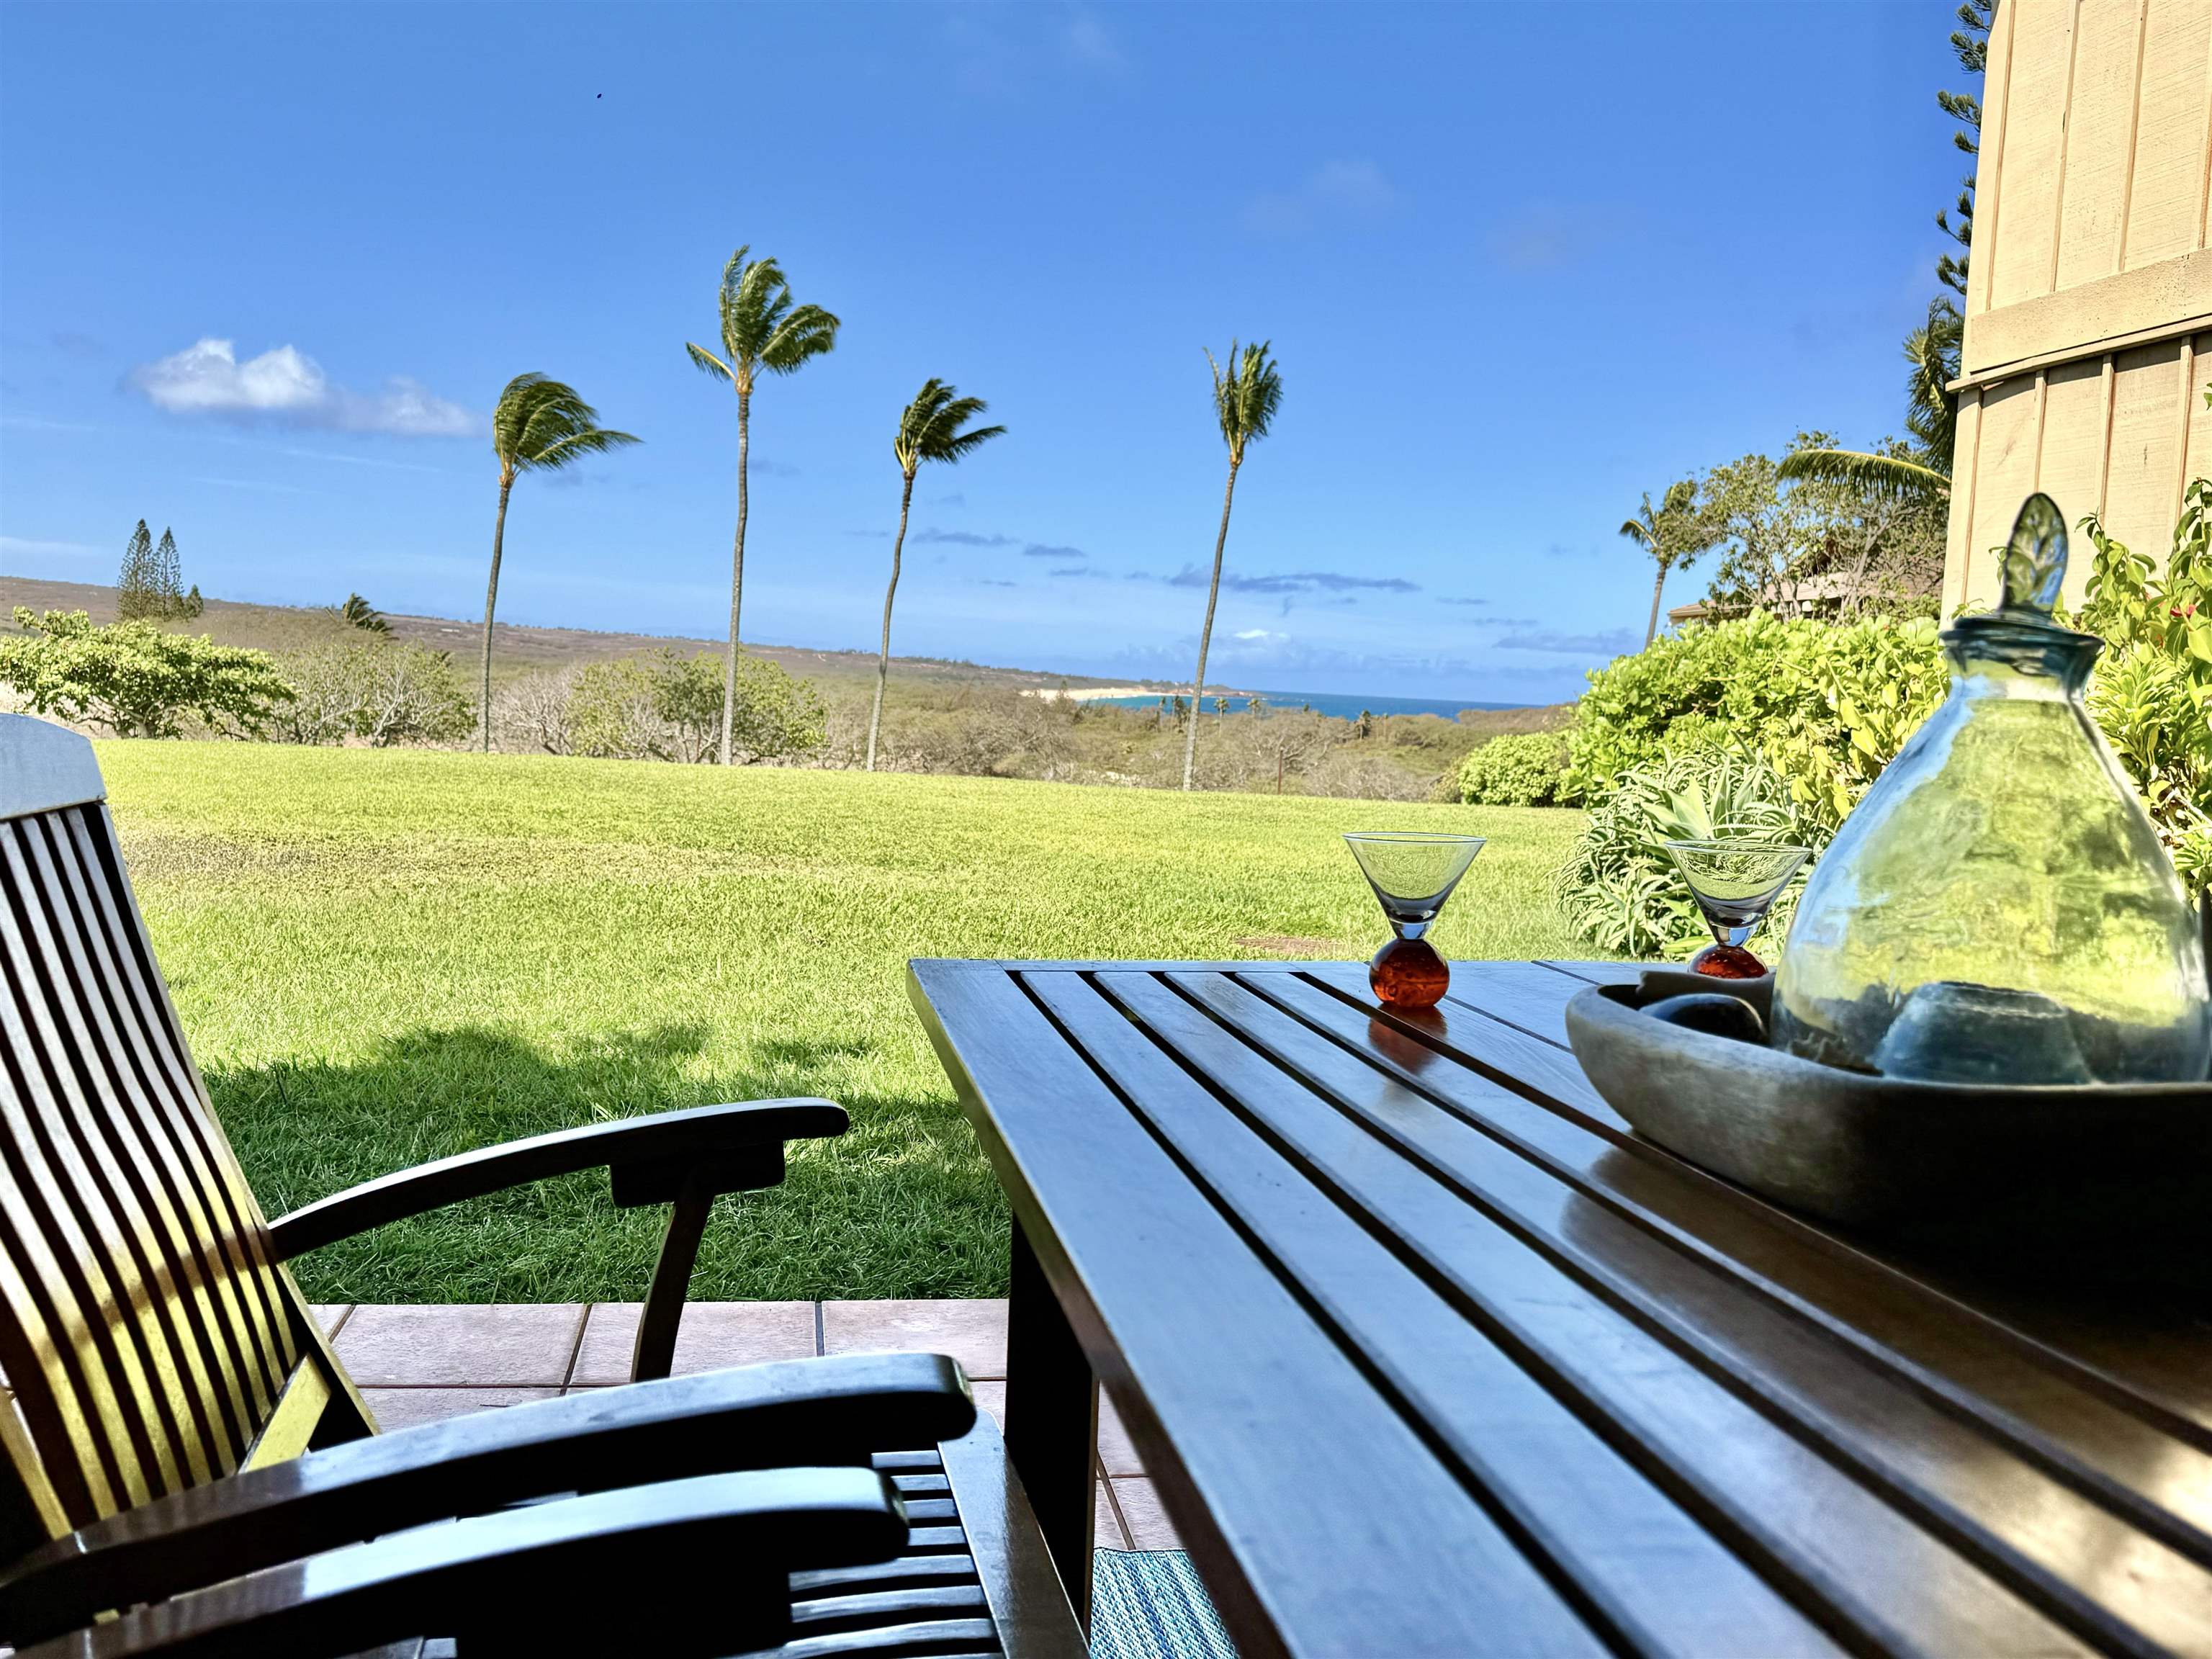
x: 1426, y: 1352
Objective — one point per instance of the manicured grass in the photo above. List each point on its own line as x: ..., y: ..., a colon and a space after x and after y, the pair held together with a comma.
x: 385, y: 956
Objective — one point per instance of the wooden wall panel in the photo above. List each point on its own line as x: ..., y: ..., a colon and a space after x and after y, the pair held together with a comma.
x: 2006, y: 477
x: 2200, y: 416
x: 2034, y: 140
x: 2146, y: 454
x: 1989, y: 182
x: 2072, y: 470
x: 2165, y: 201
x: 2101, y: 140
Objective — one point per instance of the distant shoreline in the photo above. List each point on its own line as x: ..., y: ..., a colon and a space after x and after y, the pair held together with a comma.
x: 1094, y: 692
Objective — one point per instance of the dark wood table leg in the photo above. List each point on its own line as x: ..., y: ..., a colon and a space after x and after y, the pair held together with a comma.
x: 1052, y: 1421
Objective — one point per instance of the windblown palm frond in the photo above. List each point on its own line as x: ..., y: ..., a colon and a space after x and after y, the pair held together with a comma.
x: 706, y: 363
x: 1931, y: 407
x: 761, y: 327
x: 541, y: 425
x: 929, y: 428
x: 1246, y: 396
x: 1892, y: 476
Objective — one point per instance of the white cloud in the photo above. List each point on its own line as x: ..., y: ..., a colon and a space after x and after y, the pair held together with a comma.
x: 1338, y: 192
x: 286, y: 387
x: 1259, y: 634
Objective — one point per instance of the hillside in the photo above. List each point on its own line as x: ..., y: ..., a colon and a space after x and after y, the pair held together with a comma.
x: 516, y: 648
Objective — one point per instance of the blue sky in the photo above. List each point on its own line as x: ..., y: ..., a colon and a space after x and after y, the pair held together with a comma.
x: 1519, y: 265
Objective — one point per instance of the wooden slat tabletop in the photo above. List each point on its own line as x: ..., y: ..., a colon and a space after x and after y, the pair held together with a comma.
x: 1426, y: 1354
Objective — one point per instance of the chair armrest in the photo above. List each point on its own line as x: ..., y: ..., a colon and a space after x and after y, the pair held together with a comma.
x: 837, y: 1410
x: 723, y: 1148
x: 693, y: 1566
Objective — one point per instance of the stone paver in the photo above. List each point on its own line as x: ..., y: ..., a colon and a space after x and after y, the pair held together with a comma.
x: 419, y: 1365
x: 711, y: 1336
x: 972, y: 1331
x: 490, y: 1345
x: 406, y: 1409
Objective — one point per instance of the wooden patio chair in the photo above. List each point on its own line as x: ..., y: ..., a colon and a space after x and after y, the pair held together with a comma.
x: 194, y: 1473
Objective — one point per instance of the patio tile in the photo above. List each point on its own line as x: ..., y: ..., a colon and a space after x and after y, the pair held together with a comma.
x: 484, y: 1345
x: 1106, y: 1533
x: 404, y: 1408
x: 330, y: 1315
x: 1148, y: 1523
x: 990, y: 1399
x: 974, y: 1332
x: 712, y: 1335
x: 1115, y: 1451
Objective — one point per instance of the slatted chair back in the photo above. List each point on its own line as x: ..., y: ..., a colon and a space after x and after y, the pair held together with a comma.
x: 150, y: 1339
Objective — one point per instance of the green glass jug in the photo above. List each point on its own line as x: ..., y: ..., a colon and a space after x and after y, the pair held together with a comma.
x: 1998, y: 908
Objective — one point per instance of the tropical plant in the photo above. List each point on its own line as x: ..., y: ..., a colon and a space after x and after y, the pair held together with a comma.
x: 762, y: 328
x: 540, y: 426
x: 1919, y: 470
x: 357, y: 612
x: 138, y: 680
x: 1246, y: 396
x: 1674, y: 533
x: 1521, y: 769
x: 2153, y: 695
x: 1621, y: 889
x: 929, y: 430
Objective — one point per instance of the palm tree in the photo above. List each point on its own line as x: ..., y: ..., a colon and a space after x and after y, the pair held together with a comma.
x: 929, y: 430
x: 1246, y: 395
x: 1922, y: 471
x: 540, y: 426
x: 1672, y: 533
x: 762, y: 329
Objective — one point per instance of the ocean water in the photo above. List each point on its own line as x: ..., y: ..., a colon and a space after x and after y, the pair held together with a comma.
x: 1343, y: 707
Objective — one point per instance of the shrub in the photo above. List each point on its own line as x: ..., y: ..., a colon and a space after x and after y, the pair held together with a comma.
x: 1826, y: 705
x: 531, y: 713
x: 137, y: 681
x: 667, y: 706
x: 1621, y: 890
x: 382, y: 690
x: 1524, y: 770
x: 2153, y: 693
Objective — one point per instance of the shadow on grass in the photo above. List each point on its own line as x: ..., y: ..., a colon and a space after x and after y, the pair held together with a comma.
x: 900, y: 1205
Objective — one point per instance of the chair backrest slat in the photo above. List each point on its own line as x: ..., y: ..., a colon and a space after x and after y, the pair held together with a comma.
x: 143, y: 1326
x: 203, y: 1178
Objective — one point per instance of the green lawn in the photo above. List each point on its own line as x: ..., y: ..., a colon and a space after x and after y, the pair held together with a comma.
x: 385, y: 957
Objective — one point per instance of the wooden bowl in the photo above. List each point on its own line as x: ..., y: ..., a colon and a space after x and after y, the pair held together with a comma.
x: 2099, y: 1178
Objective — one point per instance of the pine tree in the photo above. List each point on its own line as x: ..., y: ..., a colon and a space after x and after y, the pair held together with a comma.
x: 138, y: 594
x: 168, y: 579
x: 1970, y: 43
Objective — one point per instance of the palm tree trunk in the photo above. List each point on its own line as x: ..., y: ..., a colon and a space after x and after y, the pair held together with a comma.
x: 491, y: 599
x: 1651, y: 629
x: 1206, y: 634
x: 883, y: 658
x: 736, y: 575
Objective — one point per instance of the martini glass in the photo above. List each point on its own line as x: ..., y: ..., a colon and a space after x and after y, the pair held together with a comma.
x: 1412, y: 874
x: 1735, y: 884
